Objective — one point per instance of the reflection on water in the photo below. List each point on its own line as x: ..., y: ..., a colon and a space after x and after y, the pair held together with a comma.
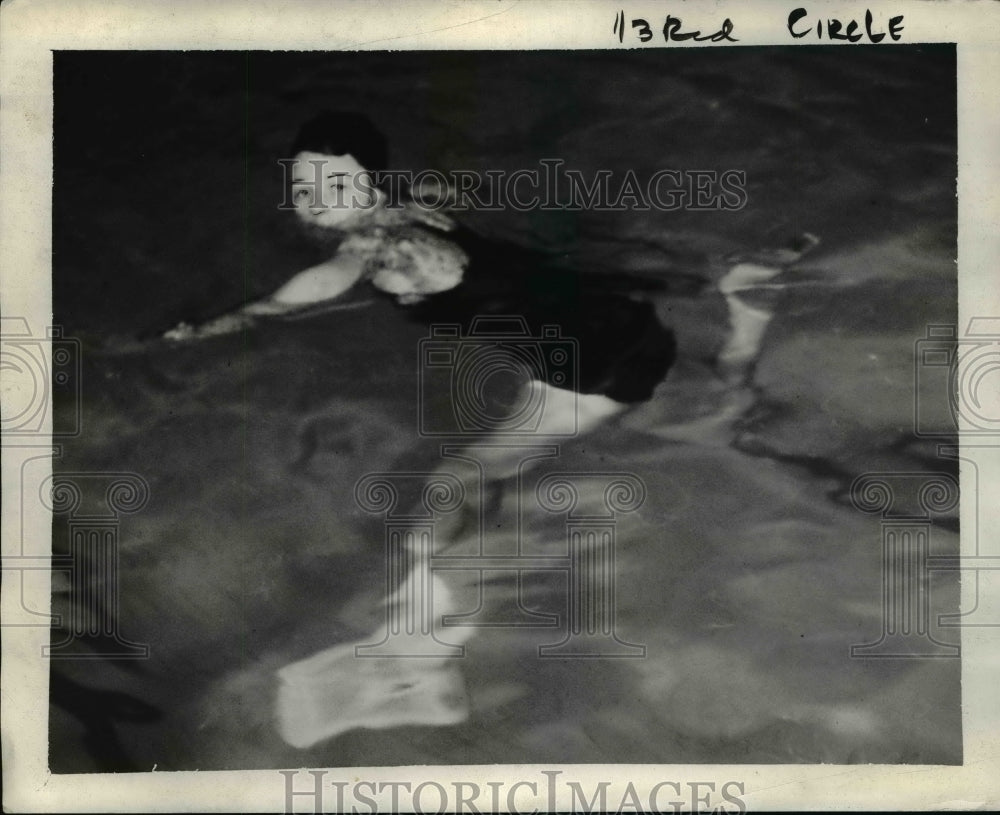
x: 411, y: 676
x: 746, y: 573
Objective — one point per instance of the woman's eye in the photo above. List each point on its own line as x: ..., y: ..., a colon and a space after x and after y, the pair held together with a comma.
x: 301, y: 194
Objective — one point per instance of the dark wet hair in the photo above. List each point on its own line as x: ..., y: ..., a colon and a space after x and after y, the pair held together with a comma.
x: 338, y: 133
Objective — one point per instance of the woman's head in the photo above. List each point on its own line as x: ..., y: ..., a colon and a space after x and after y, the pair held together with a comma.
x: 335, y: 133
x: 334, y: 156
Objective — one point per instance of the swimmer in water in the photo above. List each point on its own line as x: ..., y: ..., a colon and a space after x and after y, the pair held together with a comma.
x: 440, y: 273
x: 437, y: 273
x: 334, y: 198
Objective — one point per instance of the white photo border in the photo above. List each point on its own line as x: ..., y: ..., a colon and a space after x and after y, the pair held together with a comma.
x: 30, y: 30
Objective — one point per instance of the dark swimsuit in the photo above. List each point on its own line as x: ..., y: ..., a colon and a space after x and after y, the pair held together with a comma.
x: 623, y: 351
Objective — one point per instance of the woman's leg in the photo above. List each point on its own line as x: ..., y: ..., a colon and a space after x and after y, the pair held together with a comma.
x: 361, y: 684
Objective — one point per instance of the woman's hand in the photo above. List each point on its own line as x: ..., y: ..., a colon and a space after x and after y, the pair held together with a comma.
x: 318, y: 284
x: 226, y: 324
x: 181, y: 332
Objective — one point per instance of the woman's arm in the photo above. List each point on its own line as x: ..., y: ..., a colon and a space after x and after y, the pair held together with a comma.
x: 314, y: 285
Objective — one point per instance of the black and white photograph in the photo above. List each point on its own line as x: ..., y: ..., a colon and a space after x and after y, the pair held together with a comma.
x: 445, y: 406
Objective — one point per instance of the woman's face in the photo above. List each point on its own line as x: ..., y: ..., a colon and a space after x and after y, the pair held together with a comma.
x: 331, y: 191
